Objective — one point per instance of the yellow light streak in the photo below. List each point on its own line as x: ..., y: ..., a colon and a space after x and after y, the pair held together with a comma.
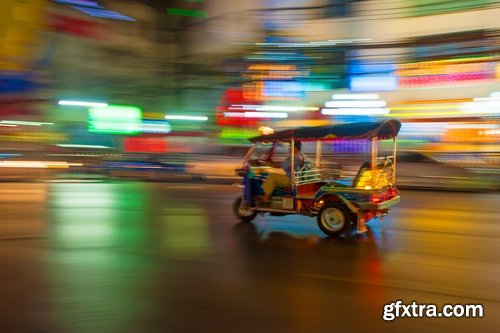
x: 426, y: 114
x: 429, y: 107
x: 437, y: 101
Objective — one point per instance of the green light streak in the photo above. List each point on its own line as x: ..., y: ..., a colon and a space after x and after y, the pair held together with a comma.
x: 187, y: 12
x: 237, y: 133
x: 115, y: 119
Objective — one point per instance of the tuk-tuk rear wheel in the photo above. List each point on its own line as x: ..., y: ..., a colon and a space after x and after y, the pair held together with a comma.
x: 333, y: 219
x: 242, y: 211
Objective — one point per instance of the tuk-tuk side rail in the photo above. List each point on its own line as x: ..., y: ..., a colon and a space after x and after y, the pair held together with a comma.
x: 319, y: 175
x: 307, y: 176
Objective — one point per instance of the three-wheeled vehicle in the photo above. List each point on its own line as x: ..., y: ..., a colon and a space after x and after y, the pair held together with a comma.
x: 336, y: 202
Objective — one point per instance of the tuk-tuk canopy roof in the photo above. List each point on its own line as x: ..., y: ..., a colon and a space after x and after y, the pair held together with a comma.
x: 386, y: 129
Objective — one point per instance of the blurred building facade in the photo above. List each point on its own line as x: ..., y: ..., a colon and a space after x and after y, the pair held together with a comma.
x: 234, y: 66
x: 434, y: 63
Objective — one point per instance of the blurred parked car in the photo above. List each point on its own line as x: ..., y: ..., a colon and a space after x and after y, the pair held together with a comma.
x: 145, y: 170
x: 416, y: 169
x: 420, y: 170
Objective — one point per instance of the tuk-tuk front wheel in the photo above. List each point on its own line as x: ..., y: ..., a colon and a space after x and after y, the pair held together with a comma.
x: 243, y: 211
x: 333, y: 219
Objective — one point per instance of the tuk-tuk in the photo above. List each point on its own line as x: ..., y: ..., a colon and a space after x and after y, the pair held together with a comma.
x: 336, y: 202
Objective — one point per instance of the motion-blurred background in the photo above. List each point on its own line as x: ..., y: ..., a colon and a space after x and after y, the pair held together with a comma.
x: 96, y: 92
x: 172, y: 89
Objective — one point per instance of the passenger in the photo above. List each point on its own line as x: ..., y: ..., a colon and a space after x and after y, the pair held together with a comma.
x: 278, y: 180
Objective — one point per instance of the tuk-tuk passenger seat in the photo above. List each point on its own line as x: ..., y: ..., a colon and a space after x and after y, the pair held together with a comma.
x: 364, y: 175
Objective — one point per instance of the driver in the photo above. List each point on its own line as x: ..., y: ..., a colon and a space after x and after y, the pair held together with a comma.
x: 278, y: 180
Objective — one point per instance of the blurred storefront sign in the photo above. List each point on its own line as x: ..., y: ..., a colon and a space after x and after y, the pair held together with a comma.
x: 145, y: 145
x: 274, y: 82
x: 365, y: 76
x: 452, y: 71
x: 21, y: 46
x: 20, y: 25
x: 115, y: 119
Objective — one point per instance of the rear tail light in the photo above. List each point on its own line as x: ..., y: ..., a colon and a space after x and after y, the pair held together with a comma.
x: 376, y: 198
x: 393, y: 192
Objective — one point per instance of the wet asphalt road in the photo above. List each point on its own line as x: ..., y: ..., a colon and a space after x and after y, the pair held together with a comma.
x: 159, y: 257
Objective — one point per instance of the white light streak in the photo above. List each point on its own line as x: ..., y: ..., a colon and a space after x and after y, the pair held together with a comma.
x: 355, y: 104
x: 266, y: 114
x: 83, y: 103
x: 354, y: 96
x: 492, y: 106
x: 193, y: 118
x: 250, y: 114
x: 314, y: 43
x: 486, y: 99
x: 22, y: 122
x: 282, y: 108
x: 354, y: 111
x: 286, y: 108
x: 69, y: 145
x: 155, y: 126
x: 354, y: 40
x: 472, y: 126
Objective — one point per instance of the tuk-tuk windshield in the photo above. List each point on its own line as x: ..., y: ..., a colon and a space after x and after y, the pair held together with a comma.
x: 275, y: 152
